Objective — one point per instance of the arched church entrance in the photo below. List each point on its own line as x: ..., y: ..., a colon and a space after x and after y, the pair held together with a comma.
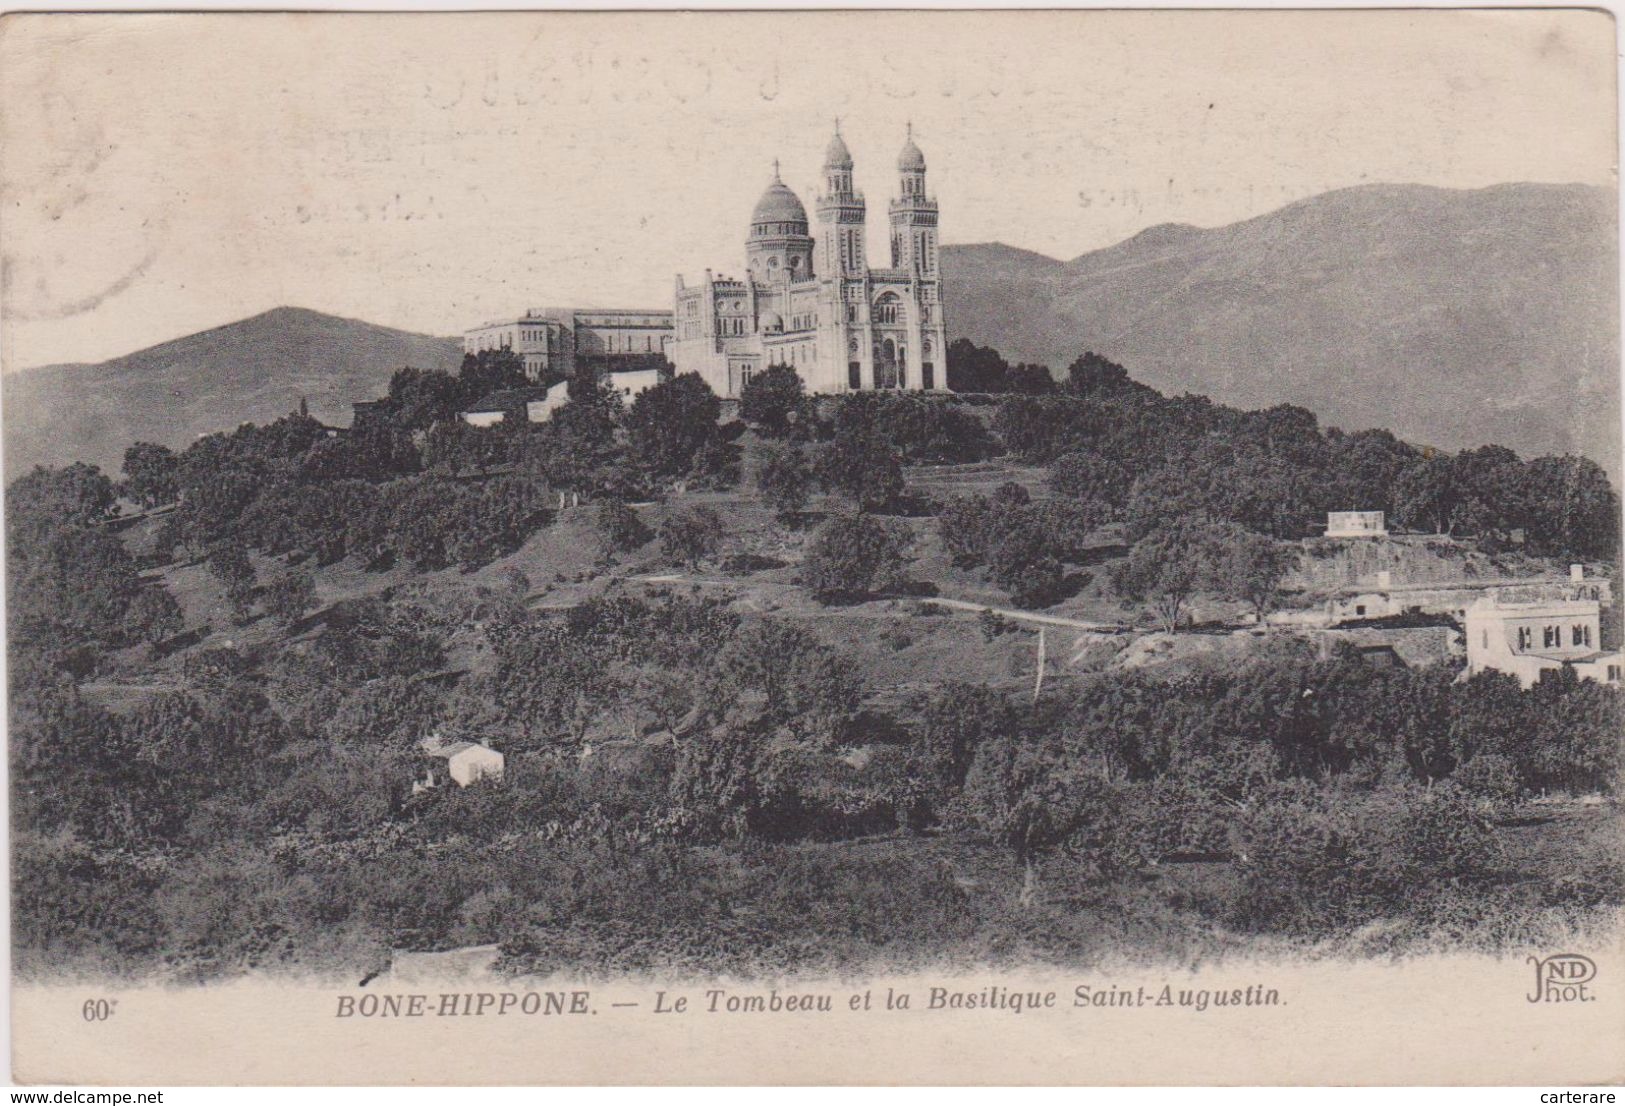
x: 886, y: 364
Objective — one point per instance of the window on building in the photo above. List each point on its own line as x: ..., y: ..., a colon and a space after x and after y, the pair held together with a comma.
x: 1486, y: 639
x: 1551, y: 637
x: 1526, y: 637
x: 854, y: 375
x: 1613, y: 673
x: 1580, y: 634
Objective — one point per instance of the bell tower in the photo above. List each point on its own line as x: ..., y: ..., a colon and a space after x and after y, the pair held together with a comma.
x: 841, y: 215
x: 914, y: 252
x: 913, y: 216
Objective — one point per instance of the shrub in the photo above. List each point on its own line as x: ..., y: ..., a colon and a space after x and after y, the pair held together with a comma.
x: 289, y: 596
x: 853, y: 556
x: 619, y: 528
x: 691, y: 535
x: 784, y: 481
x: 858, y: 463
x: 774, y: 401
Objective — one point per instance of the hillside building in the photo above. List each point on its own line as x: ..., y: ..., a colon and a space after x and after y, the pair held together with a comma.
x: 1451, y: 599
x: 1356, y: 524
x: 555, y: 340
x: 537, y: 404
x: 810, y: 299
x: 1529, y: 639
x: 467, y: 762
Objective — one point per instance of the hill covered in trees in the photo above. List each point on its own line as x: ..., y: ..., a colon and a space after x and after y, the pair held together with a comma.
x: 709, y: 649
x: 1454, y: 318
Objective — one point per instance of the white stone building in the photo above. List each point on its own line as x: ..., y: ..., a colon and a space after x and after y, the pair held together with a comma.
x: 557, y: 339
x: 468, y: 762
x: 1529, y: 639
x: 1355, y: 524
x: 813, y: 302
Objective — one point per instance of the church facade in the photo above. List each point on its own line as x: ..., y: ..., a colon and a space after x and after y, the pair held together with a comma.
x: 810, y: 300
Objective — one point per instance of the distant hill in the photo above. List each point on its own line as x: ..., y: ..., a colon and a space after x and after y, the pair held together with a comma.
x: 1450, y: 317
x: 255, y: 370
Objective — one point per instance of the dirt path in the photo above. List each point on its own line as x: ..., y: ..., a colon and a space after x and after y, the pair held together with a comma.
x: 1030, y: 616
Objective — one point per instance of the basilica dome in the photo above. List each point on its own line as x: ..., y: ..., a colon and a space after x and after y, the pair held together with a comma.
x: 778, y: 205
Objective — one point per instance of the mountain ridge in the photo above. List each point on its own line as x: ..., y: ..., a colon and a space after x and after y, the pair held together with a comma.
x: 1456, y: 317
x: 1453, y: 316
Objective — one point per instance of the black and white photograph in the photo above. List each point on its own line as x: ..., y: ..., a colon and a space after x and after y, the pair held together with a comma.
x: 795, y: 547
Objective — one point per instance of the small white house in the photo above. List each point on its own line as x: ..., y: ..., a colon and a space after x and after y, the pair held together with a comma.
x: 466, y: 762
x: 1355, y: 524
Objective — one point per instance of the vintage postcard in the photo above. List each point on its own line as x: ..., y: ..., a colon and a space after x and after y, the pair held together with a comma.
x: 813, y: 547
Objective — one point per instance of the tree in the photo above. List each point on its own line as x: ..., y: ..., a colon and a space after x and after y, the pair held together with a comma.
x: 491, y: 370
x: 453, y: 445
x: 72, y: 586
x: 150, y: 474
x: 668, y: 424
x: 973, y: 368
x: 46, y: 499
x: 1426, y: 496
x: 859, y: 464
x: 691, y: 535
x: 1022, y: 561
x: 228, y: 563
x: 418, y: 398
x: 1574, y: 510
x: 714, y: 785
x: 1028, y: 795
x: 784, y: 481
x: 156, y: 615
x: 619, y: 528
x: 290, y: 595
x: 956, y: 722
x: 1088, y: 475
x: 1029, y: 380
x: 810, y: 689
x: 853, y: 556
x: 516, y: 581
x: 969, y: 525
x: 774, y: 401
x: 1250, y: 567
x: 1165, y: 568
x: 1097, y: 376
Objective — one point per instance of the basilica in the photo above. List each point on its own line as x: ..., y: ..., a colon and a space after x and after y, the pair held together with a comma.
x: 810, y: 300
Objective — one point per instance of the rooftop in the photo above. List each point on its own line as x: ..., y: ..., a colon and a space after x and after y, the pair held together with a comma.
x: 508, y: 399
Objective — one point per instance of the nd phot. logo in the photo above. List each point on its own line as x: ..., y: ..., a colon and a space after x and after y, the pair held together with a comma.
x: 1562, y: 977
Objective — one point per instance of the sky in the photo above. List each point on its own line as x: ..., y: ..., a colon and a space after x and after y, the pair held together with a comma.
x: 162, y: 174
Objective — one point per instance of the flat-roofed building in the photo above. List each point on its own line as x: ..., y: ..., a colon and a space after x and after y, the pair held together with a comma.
x: 554, y: 340
x: 1530, y: 639
x: 1356, y: 524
